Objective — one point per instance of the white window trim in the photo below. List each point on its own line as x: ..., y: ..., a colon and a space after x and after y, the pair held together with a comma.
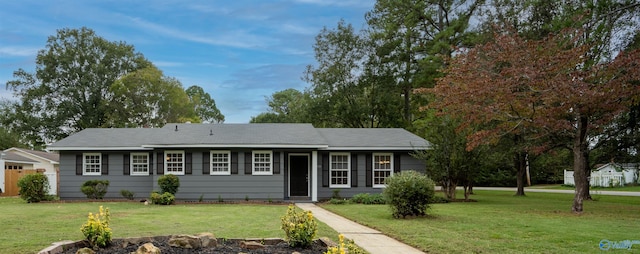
x: 253, y: 162
x: 166, y: 172
x: 348, y: 185
x: 225, y: 173
x: 131, y: 172
x: 373, y: 169
x: 84, y: 164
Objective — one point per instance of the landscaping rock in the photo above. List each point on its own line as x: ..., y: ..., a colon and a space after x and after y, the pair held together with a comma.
x: 251, y: 245
x: 185, y: 241
x: 85, y: 251
x: 207, y: 240
x: 147, y: 248
x: 135, y: 241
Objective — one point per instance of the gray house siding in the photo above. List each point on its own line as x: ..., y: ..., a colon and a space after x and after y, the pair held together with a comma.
x: 364, y: 182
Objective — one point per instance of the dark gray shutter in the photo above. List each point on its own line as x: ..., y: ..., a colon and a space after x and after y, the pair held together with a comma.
x: 396, y: 162
x: 234, y: 163
x: 126, y: 167
x: 325, y: 170
x: 276, y: 163
x: 247, y: 163
x: 105, y: 164
x: 160, y: 160
x: 187, y: 164
x: 354, y: 170
x: 369, y: 170
x: 78, y: 164
x: 205, y: 163
x: 151, y: 163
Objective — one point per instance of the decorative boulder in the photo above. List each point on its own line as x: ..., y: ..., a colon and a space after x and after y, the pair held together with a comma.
x: 147, y: 248
x: 85, y: 251
x: 251, y: 245
x: 207, y: 240
x: 185, y: 241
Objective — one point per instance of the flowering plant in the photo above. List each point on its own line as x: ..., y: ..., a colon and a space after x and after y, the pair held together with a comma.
x: 299, y: 227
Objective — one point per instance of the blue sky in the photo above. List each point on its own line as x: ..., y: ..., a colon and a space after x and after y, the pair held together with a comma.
x: 239, y: 51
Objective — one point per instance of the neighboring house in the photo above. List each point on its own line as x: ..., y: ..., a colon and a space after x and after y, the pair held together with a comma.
x: 237, y: 161
x: 20, y: 161
x: 608, y: 175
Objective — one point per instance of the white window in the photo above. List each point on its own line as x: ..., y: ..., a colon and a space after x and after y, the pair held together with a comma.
x: 262, y: 163
x: 139, y: 164
x: 382, y: 168
x: 13, y: 167
x: 174, y: 162
x: 91, y: 164
x: 339, y: 166
x: 220, y: 163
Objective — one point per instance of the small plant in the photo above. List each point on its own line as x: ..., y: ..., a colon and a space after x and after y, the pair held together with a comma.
x: 409, y: 193
x: 220, y: 200
x: 162, y: 199
x: 34, y: 188
x: 96, y: 230
x: 269, y: 199
x: 335, y: 201
x: 127, y: 194
x: 246, y: 198
x: 368, y: 199
x: 95, y: 189
x: 169, y: 183
x: 201, y: 198
x: 343, y: 248
x: 299, y: 227
x: 336, y: 194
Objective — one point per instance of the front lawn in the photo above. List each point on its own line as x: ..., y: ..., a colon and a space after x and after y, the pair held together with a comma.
x: 502, y: 223
x: 564, y: 187
x: 28, y: 228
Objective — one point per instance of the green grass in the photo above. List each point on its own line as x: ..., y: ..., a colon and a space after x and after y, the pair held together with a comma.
x: 28, y: 228
x: 561, y: 187
x: 502, y: 223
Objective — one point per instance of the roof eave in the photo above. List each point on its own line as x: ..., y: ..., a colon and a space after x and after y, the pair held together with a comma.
x: 102, y: 148
x: 304, y: 146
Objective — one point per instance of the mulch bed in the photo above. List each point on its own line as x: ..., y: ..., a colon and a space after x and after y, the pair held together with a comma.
x: 224, y: 247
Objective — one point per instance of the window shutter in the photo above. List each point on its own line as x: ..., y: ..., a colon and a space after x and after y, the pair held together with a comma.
x: 205, y: 163
x: 276, y: 163
x: 247, y: 163
x: 396, y: 162
x: 187, y: 164
x: 151, y: 163
x: 78, y: 164
x: 369, y: 170
x: 325, y: 170
x: 160, y: 161
x: 105, y: 164
x: 234, y: 163
x: 354, y: 170
x: 126, y: 168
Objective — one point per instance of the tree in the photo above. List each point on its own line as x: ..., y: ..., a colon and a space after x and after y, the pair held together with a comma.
x: 204, y: 105
x: 286, y: 106
x: 71, y: 82
x: 147, y: 98
x: 535, y: 91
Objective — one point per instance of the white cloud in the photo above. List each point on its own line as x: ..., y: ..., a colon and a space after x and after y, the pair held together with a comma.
x: 18, y: 51
x: 167, y: 64
x: 358, y: 3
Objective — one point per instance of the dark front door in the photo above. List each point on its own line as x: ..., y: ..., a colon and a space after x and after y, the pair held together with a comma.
x: 299, y: 175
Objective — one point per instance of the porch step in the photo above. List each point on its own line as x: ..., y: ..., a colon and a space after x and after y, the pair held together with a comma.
x: 300, y: 198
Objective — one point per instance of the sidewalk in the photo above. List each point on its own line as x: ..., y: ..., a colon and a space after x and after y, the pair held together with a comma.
x: 369, y: 239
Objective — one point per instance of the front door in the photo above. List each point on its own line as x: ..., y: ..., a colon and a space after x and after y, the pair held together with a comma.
x: 298, y: 175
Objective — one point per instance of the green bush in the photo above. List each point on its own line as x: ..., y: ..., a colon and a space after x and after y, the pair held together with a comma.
x: 368, y: 199
x: 337, y: 201
x: 34, y: 188
x: 299, y: 227
x: 95, y: 189
x: 97, y: 230
x: 169, y: 183
x: 127, y: 194
x: 409, y: 193
x: 162, y: 199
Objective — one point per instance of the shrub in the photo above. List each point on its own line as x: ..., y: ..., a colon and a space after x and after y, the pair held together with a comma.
x: 127, y: 194
x: 336, y: 201
x: 95, y: 189
x: 409, y: 193
x: 162, y: 199
x: 96, y: 230
x: 368, y: 199
x: 336, y: 194
x: 299, y: 227
x: 342, y: 248
x: 34, y: 188
x: 169, y: 183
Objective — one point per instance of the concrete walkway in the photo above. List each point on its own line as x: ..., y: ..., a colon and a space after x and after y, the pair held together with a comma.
x: 369, y: 239
x: 593, y: 192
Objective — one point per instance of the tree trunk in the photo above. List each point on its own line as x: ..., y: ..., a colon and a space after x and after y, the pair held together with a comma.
x: 449, y: 189
x: 580, y: 165
x: 520, y: 163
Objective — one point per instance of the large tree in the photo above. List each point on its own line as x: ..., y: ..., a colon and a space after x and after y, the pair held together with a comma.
x: 204, y: 106
x: 286, y: 106
x: 67, y: 92
x: 536, y: 91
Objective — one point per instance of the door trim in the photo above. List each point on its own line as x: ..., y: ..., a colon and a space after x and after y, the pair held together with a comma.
x: 289, y: 173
